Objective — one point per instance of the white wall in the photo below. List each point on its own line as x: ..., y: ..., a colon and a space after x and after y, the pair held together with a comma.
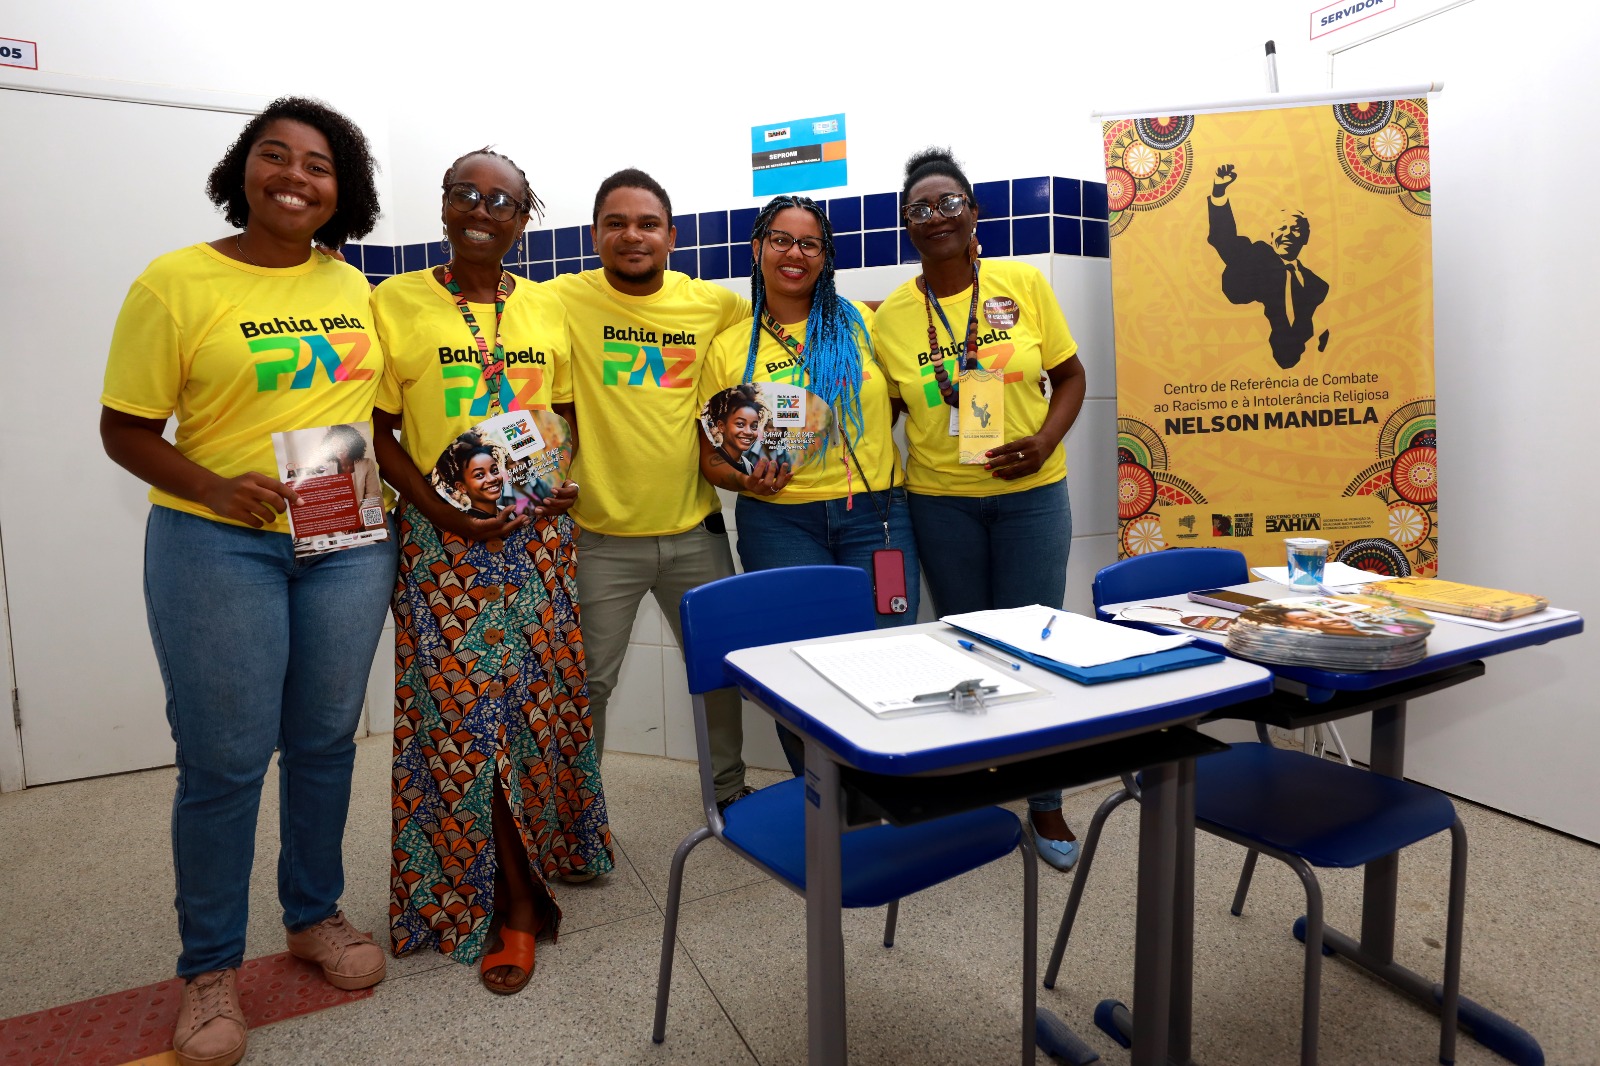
x: 575, y: 91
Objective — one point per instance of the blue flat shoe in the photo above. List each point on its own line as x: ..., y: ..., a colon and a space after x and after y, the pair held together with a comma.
x: 1062, y: 854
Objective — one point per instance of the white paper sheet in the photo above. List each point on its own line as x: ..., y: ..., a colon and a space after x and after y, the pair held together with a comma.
x: 1334, y: 575
x: 1074, y: 639
x: 885, y: 674
x: 1549, y: 614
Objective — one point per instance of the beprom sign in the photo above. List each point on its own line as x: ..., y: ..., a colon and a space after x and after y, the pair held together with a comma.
x: 23, y: 54
x: 798, y: 155
x: 1346, y: 13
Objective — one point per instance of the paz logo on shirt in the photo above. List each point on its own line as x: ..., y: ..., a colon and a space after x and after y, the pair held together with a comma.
x: 994, y: 357
x: 463, y: 384
x: 297, y: 357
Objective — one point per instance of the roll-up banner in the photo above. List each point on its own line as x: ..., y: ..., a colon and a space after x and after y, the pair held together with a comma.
x: 1272, y: 281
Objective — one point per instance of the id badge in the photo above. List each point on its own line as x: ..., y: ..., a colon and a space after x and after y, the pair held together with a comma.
x: 980, y: 415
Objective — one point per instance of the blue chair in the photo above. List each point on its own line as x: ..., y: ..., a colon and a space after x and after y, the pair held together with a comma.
x: 1303, y: 811
x: 881, y: 863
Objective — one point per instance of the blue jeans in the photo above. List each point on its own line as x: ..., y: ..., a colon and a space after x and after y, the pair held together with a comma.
x: 826, y: 533
x: 991, y: 552
x: 258, y: 651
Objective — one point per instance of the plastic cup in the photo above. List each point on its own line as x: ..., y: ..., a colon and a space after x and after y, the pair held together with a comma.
x: 1308, y: 557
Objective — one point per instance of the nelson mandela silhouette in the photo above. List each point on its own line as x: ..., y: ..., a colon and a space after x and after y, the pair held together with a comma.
x: 1269, y: 273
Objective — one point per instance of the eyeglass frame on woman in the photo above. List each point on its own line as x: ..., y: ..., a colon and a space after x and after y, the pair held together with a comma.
x: 785, y: 240
x: 912, y: 212
x: 518, y: 207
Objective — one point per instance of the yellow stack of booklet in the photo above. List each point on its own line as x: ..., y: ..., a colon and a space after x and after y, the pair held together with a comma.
x: 1450, y: 597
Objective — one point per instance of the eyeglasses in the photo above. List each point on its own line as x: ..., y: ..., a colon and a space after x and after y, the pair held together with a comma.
x: 949, y: 205
x: 779, y: 241
x: 464, y: 198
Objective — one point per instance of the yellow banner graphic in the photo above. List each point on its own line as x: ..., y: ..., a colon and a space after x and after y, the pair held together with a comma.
x: 1272, y: 279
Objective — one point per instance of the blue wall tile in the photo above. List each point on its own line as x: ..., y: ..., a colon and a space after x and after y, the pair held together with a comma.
x: 586, y: 235
x: 352, y: 255
x: 413, y: 257
x: 1094, y: 200
x: 568, y: 244
x: 591, y: 262
x: 1068, y: 195
x: 1069, y: 236
x: 995, y: 236
x: 1096, y: 238
x: 688, y: 230
x: 908, y: 253
x: 512, y: 258
x: 1030, y: 196
x: 742, y: 222
x: 1030, y: 236
x: 685, y: 260
x: 713, y: 258
x: 882, y: 248
x: 377, y: 279
x: 740, y: 261
x: 844, y: 214
x: 541, y: 245
x: 846, y: 250
x: 542, y: 271
x: 568, y: 266
x: 994, y: 199
x: 880, y: 210
x: 437, y: 256
x: 378, y: 259
x: 714, y: 229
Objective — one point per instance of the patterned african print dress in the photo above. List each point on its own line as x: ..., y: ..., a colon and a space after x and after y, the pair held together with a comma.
x: 490, y: 693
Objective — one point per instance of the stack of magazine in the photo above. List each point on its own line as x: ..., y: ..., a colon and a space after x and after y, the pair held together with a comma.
x: 1347, y: 633
x: 1451, y: 597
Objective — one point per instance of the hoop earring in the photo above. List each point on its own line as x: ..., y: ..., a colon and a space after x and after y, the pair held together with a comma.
x: 444, y: 243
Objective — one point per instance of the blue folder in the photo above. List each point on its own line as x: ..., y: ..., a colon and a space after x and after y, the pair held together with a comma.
x: 1156, y: 662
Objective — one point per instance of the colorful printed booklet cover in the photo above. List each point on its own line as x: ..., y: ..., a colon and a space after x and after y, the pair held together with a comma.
x: 516, y: 459
x: 332, y: 470
x: 1450, y: 597
x: 766, y: 420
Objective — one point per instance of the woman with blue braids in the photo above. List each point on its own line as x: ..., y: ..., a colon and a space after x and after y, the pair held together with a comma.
x: 848, y: 503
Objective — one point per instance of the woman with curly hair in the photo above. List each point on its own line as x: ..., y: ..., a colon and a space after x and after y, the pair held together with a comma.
x: 994, y: 533
x: 736, y: 417
x: 848, y: 504
x: 244, y: 336
x: 496, y: 773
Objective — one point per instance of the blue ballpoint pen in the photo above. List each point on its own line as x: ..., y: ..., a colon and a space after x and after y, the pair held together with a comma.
x: 1044, y: 634
x: 987, y: 654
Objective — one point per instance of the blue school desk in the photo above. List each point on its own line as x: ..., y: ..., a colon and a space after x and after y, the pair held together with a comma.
x: 1307, y: 696
x: 861, y: 769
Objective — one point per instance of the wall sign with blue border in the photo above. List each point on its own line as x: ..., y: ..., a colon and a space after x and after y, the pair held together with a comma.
x: 807, y: 153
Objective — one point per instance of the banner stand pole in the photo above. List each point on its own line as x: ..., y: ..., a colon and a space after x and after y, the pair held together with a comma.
x: 1272, y: 67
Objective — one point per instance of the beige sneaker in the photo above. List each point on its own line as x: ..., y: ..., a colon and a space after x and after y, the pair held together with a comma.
x: 211, y: 1026
x: 348, y: 957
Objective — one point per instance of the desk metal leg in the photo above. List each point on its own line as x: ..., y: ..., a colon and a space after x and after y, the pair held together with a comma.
x: 1153, y: 943
x: 1381, y: 887
x: 1180, y: 1034
x: 825, y: 1016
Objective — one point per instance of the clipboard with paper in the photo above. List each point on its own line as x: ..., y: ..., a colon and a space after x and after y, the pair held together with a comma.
x: 1084, y: 649
x: 896, y: 676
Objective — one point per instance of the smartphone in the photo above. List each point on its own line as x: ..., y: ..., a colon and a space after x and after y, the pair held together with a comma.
x: 889, y: 581
x: 1228, y: 601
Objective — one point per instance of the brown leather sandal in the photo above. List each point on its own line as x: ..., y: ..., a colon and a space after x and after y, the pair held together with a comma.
x: 516, y: 950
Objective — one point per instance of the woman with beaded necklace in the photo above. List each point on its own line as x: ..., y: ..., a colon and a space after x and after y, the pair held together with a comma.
x: 992, y: 534
x: 848, y: 503
x: 496, y: 777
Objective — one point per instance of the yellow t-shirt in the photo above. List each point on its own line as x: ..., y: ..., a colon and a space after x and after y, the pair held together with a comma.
x: 824, y: 478
x: 1021, y: 332
x: 636, y: 361
x: 433, y: 376
x: 240, y: 352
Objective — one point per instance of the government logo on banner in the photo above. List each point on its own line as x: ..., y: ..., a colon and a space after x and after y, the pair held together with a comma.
x: 1273, y: 288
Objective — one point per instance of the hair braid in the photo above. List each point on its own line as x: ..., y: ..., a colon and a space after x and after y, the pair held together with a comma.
x: 835, y: 330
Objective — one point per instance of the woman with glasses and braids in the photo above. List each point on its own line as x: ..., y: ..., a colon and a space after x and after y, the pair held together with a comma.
x: 496, y: 777
x: 258, y: 649
x: 993, y: 533
x: 848, y: 503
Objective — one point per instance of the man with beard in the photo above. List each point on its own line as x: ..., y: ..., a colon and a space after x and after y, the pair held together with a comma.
x: 648, y: 521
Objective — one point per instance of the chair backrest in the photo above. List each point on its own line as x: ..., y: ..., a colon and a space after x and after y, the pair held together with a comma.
x: 1167, y: 573
x: 769, y: 607
x: 761, y: 607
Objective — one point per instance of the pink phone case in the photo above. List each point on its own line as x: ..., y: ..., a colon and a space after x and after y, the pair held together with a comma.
x: 889, y: 581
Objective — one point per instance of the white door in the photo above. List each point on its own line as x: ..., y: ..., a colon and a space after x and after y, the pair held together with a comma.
x: 90, y: 191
